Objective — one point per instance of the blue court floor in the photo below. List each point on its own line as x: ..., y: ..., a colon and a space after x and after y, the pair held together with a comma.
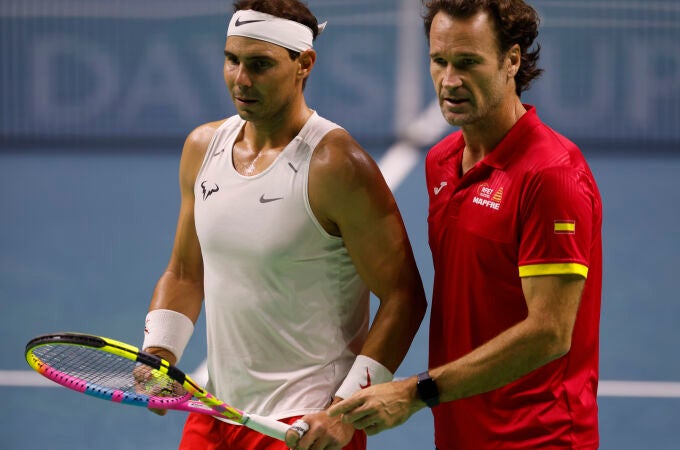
x: 84, y: 237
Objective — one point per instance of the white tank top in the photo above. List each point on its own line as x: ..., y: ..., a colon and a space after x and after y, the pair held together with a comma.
x: 286, y: 311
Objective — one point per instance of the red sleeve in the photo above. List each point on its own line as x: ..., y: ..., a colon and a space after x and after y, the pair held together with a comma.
x: 557, y: 215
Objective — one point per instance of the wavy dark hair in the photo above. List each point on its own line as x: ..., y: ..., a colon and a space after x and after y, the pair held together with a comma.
x: 515, y: 22
x: 286, y: 9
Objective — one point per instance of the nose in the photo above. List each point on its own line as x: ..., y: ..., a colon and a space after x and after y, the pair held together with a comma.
x: 451, y: 78
x: 242, y: 77
x: 236, y: 74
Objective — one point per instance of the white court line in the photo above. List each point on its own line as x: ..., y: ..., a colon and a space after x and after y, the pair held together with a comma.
x: 656, y: 389
x: 24, y: 378
x: 422, y: 131
x: 608, y: 388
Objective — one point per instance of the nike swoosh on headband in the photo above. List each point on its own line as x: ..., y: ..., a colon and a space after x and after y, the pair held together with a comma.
x: 240, y: 22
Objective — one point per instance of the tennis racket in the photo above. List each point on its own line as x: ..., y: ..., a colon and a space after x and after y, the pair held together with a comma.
x: 115, y: 371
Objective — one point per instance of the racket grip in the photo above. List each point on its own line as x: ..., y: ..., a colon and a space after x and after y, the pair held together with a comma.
x: 266, y: 425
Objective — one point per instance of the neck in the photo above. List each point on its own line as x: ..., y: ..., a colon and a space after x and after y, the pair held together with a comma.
x: 278, y: 131
x: 483, y: 136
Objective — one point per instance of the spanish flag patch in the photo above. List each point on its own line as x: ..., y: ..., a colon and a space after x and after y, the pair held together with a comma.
x: 565, y: 227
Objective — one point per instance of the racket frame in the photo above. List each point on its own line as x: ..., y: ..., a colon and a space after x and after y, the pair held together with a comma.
x: 196, y: 399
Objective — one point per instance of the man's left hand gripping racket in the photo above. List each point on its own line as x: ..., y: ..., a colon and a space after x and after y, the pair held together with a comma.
x: 113, y: 370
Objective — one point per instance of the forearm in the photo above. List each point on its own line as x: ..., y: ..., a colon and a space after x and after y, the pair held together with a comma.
x: 394, y: 326
x: 388, y: 340
x: 166, y: 333
x: 178, y: 293
x: 507, y: 357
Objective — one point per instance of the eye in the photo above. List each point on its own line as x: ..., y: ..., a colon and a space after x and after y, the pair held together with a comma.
x: 231, y: 59
x: 260, y: 65
x: 439, y: 61
x: 466, y: 62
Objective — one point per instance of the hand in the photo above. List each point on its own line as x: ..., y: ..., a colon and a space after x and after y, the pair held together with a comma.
x: 147, y: 381
x: 325, y: 433
x: 379, y: 407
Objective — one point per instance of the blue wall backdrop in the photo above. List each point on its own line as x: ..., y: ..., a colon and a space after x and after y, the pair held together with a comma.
x: 131, y: 70
x: 96, y: 97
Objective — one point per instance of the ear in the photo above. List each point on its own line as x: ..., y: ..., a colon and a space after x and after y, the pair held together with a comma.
x: 306, y: 62
x: 513, y: 59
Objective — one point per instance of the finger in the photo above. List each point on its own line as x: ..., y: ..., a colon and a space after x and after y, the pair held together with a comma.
x: 355, y: 417
x: 344, y: 406
x: 364, y: 423
x: 373, y: 429
x: 292, y: 439
x: 296, y: 432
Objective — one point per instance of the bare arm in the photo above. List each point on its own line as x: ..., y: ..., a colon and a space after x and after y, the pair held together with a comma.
x: 543, y: 336
x: 180, y: 287
x: 351, y: 199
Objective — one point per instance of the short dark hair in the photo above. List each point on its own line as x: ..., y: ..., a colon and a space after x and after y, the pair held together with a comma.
x: 515, y: 23
x: 286, y: 9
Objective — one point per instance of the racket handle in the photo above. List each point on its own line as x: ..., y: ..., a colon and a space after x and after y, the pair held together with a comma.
x: 266, y: 425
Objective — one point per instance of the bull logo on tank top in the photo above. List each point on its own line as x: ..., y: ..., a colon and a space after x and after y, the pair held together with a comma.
x: 208, y: 190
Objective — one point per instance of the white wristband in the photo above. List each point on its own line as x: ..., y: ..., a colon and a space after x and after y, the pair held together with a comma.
x: 365, y: 372
x: 168, y: 329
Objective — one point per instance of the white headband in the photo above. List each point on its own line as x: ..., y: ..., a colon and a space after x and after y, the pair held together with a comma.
x: 265, y: 27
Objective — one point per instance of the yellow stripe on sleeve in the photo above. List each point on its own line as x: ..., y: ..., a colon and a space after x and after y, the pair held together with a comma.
x: 535, y: 270
x: 565, y: 227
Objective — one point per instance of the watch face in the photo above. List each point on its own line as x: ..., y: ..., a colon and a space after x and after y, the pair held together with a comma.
x: 427, y: 389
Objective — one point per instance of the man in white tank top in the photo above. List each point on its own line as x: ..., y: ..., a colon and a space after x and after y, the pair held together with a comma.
x: 285, y: 226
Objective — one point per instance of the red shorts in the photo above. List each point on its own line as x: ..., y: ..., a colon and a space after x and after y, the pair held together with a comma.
x: 203, y: 432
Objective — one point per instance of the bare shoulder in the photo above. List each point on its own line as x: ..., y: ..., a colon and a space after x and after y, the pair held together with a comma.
x: 199, y: 138
x: 345, y: 183
x: 340, y: 155
x: 195, y: 147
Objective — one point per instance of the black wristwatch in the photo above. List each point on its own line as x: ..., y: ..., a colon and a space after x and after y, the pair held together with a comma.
x: 427, y: 389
